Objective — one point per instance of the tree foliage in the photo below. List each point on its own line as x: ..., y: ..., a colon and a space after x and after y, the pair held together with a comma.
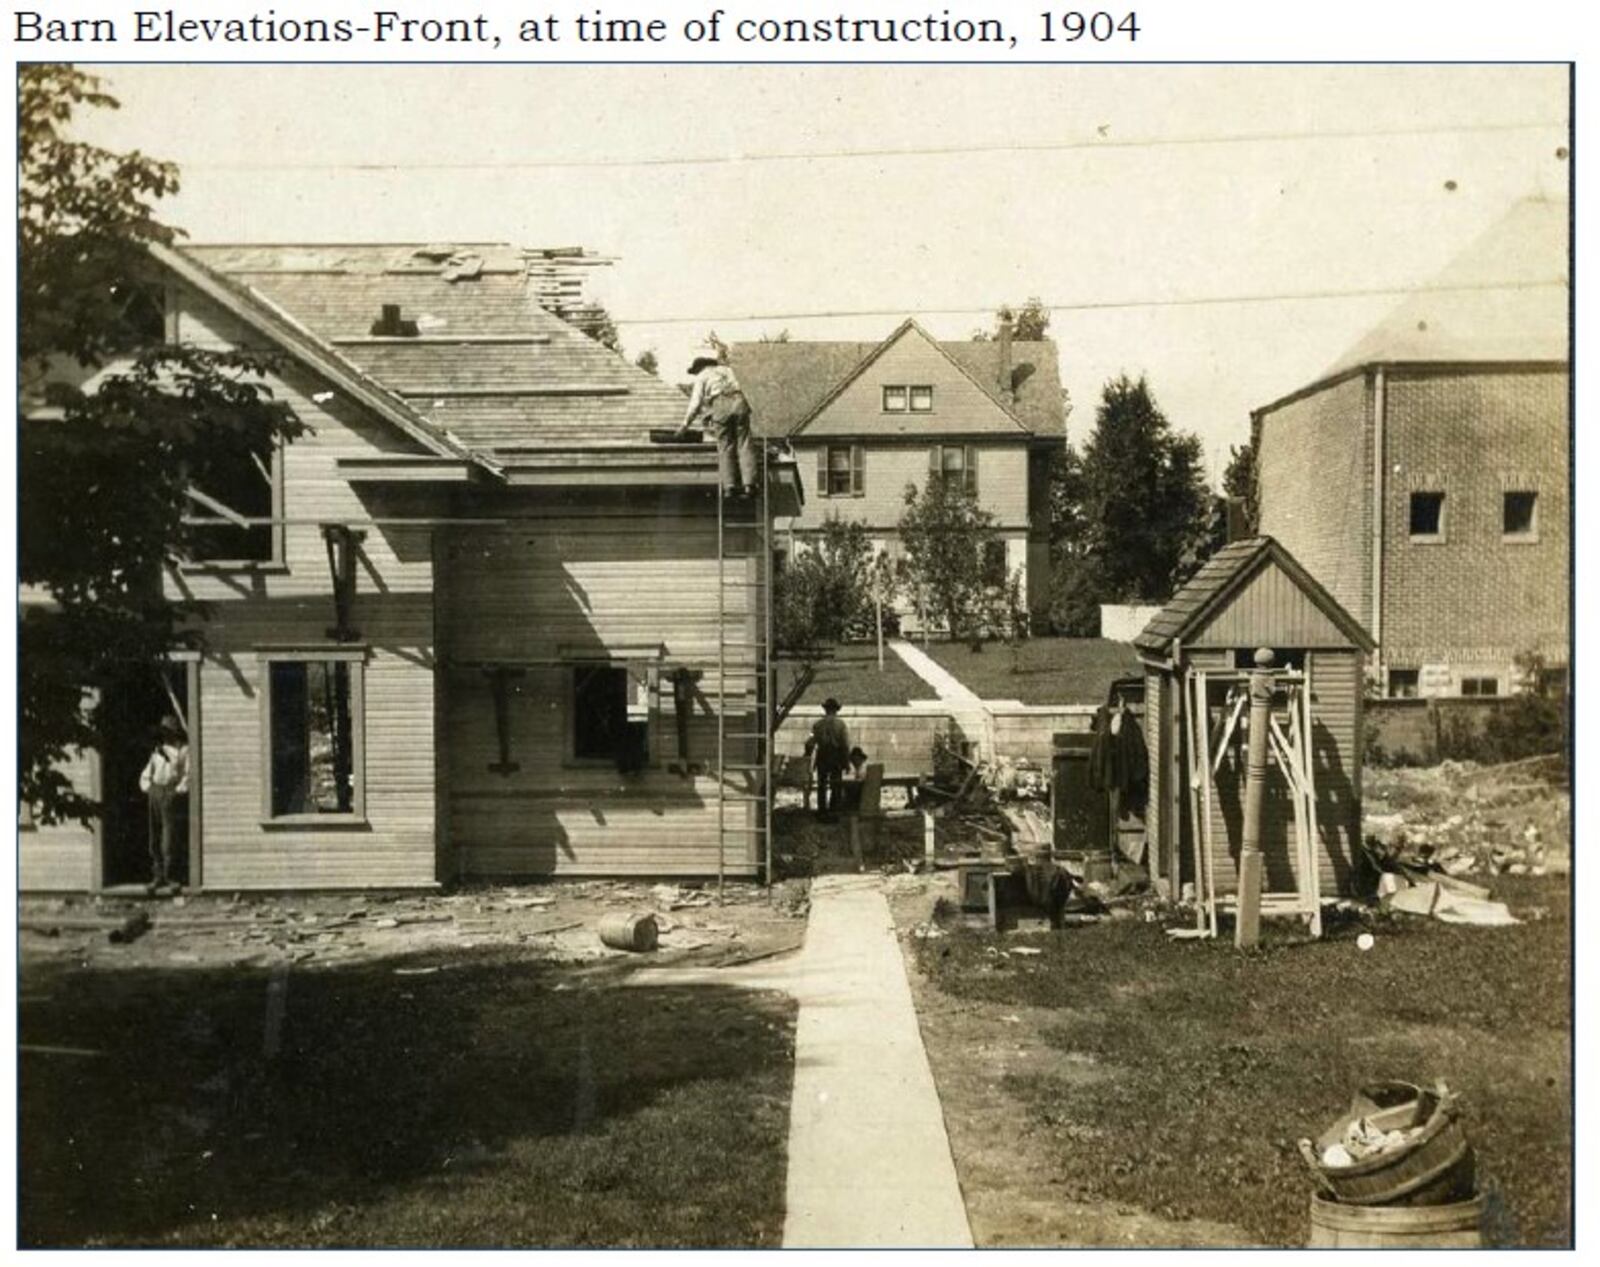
x: 1240, y: 483
x: 649, y: 362
x: 947, y: 536
x: 107, y: 450
x: 1029, y: 323
x: 824, y: 594
x: 1135, y: 515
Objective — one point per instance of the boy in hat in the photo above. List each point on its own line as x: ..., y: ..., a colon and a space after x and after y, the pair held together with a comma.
x: 830, y: 744
x: 163, y: 780
x: 718, y: 401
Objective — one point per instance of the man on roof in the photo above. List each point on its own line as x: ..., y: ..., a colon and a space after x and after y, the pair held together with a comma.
x: 718, y: 403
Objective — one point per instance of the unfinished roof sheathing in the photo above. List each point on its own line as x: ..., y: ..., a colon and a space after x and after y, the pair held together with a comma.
x: 488, y: 364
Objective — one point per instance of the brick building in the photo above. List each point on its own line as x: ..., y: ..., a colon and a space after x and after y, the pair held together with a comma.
x: 867, y: 419
x: 1424, y: 480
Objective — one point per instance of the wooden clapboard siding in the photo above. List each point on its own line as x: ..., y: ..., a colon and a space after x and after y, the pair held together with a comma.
x: 60, y: 857
x: 1269, y: 603
x: 1154, y: 717
x: 590, y: 586
x: 395, y: 844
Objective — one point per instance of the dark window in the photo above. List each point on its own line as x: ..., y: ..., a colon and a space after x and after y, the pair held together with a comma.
x: 233, y: 496
x: 956, y: 464
x: 838, y: 470
x: 1427, y: 514
x: 141, y: 312
x: 611, y: 715
x: 314, y: 767
x: 922, y: 400
x: 1520, y: 514
x: 995, y: 571
x: 1403, y: 683
x: 1292, y: 658
x: 894, y: 400
x: 1480, y: 686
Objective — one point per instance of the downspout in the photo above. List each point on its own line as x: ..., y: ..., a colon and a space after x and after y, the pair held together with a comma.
x: 1379, y: 408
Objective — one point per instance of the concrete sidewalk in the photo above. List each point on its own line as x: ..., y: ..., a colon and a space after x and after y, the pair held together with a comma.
x: 869, y: 1160
x: 945, y: 684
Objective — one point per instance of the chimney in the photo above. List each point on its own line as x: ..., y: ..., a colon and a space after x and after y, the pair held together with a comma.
x: 1238, y: 521
x: 388, y: 325
x: 1002, y: 371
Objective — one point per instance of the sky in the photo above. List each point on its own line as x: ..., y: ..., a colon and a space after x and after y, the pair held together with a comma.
x: 748, y: 200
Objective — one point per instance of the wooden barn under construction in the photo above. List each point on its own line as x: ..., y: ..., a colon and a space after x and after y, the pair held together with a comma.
x: 473, y: 624
x: 1197, y: 653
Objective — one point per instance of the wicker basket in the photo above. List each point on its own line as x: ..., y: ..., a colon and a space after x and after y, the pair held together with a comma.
x: 1437, y: 1167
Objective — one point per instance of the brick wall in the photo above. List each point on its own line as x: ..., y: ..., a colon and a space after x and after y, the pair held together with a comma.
x: 1474, y: 599
x: 1316, y: 477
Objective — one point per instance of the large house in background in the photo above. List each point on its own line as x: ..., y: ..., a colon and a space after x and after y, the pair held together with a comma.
x: 867, y: 419
x: 1424, y: 479
x: 472, y: 624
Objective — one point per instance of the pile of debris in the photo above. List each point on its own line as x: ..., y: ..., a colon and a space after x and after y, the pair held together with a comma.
x: 1460, y: 818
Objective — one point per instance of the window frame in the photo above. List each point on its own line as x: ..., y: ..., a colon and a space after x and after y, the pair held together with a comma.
x: 855, y: 471
x: 276, y: 561
x: 1528, y: 535
x: 1439, y: 533
x: 904, y: 393
x: 911, y: 397
x: 1476, y: 681
x: 1389, y: 690
x: 995, y: 546
x: 651, y: 688
x: 356, y: 656
x: 968, y: 469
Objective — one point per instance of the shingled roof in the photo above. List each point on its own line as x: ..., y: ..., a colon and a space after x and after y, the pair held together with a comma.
x: 786, y: 382
x: 487, y: 366
x: 1220, y: 577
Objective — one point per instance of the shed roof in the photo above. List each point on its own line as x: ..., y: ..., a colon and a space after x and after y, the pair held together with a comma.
x: 488, y: 366
x: 1221, y: 578
x: 787, y: 382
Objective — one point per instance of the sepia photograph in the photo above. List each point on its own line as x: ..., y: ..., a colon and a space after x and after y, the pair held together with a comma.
x: 760, y: 656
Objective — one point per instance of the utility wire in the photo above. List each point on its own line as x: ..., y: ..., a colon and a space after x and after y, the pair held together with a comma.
x: 1098, y: 142
x: 1102, y: 305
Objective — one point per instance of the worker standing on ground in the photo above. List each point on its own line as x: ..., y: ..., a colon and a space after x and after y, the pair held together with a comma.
x: 718, y: 402
x: 829, y: 746
x: 163, y: 780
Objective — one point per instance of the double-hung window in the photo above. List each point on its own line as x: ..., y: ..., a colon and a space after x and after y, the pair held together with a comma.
x: 955, y: 464
x: 841, y: 470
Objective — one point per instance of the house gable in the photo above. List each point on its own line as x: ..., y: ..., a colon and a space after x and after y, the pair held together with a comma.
x: 910, y: 358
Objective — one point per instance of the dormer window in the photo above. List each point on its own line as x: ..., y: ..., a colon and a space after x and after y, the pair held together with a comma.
x: 894, y: 400
x: 922, y: 400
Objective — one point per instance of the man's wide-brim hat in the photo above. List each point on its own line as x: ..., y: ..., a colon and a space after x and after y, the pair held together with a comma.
x: 830, y: 705
x: 701, y: 362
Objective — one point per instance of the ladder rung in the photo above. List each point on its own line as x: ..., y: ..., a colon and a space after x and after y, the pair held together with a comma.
x: 746, y: 734
x: 742, y: 767
x: 741, y: 799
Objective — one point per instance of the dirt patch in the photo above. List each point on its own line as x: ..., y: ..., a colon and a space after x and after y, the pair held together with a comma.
x: 554, y: 922
x: 982, y: 1055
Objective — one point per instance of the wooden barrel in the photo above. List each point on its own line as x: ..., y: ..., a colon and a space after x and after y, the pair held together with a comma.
x: 1335, y: 1226
x: 624, y: 931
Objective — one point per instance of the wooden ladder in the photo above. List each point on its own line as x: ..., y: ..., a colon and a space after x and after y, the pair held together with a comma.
x: 744, y: 678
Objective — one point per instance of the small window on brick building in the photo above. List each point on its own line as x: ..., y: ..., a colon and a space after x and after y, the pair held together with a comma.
x: 1403, y: 683
x: 1520, y: 516
x: 1427, y: 516
x: 1552, y: 682
x: 1480, y: 686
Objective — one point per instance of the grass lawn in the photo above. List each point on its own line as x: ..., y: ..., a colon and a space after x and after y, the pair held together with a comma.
x: 497, y: 1101
x: 852, y: 677
x: 1174, y: 1077
x: 1041, y: 670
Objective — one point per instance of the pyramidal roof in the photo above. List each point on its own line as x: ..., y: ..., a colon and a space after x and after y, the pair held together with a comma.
x: 1505, y: 298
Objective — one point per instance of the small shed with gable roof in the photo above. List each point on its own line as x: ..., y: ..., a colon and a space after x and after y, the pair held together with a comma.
x: 1251, y: 594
